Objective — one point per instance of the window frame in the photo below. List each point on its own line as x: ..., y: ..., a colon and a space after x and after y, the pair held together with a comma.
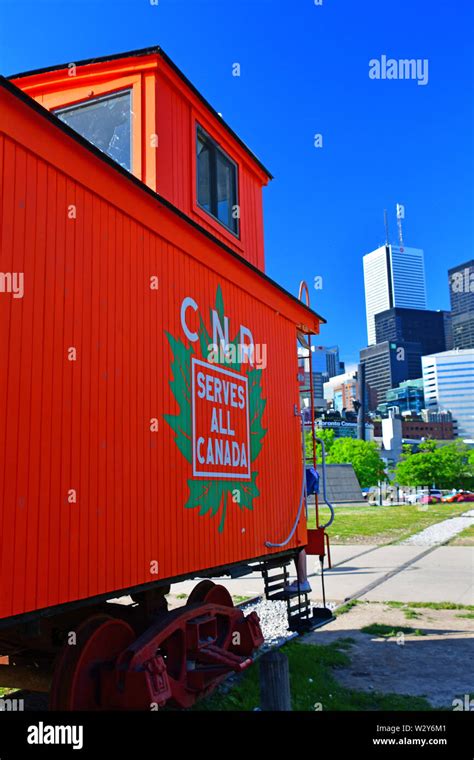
x: 84, y: 102
x: 80, y: 92
x: 215, y: 149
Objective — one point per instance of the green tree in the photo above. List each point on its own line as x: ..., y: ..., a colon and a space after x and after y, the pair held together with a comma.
x: 326, y: 435
x: 447, y: 466
x: 428, y: 445
x: 453, y: 466
x: 364, y: 457
x: 415, y: 469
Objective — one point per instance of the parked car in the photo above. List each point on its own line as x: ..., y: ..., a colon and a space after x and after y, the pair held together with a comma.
x: 458, y: 496
x: 434, y: 496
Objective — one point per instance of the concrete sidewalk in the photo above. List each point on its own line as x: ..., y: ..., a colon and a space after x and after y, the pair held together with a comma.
x: 444, y: 574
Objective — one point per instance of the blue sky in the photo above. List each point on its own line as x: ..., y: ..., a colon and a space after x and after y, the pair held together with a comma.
x: 304, y: 70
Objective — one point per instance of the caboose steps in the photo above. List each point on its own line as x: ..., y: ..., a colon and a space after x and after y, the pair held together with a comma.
x: 302, y: 616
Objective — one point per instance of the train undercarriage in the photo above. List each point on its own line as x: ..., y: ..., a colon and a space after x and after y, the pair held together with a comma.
x: 142, y: 656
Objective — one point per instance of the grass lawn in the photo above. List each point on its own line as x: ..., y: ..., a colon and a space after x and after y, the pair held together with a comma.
x: 431, y: 605
x: 389, y: 631
x: 466, y: 538
x: 409, y: 608
x: 313, y: 686
x: 383, y: 525
x: 6, y: 692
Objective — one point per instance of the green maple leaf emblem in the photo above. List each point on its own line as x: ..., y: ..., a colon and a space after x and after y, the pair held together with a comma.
x: 212, y: 496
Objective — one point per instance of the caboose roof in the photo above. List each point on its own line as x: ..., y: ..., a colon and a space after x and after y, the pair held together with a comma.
x: 150, y: 51
x: 306, y: 316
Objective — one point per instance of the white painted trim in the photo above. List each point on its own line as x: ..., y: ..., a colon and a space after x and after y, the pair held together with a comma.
x: 239, y: 378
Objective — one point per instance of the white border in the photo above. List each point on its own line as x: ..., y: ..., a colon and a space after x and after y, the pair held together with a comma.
x: 241, y: 378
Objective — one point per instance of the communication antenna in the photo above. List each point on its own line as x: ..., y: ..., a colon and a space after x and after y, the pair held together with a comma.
x: 400, y: 216
x: 385, y: 219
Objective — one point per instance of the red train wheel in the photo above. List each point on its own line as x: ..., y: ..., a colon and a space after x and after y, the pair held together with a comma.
x: 198, y: 594
x: 75, y: 685
x: 219, y: 595
x: 207, y: 592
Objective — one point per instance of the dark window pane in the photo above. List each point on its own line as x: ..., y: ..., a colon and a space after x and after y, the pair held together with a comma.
x: 216, y: 182
x: 204, y: 175
x: 225, y: 190
x: 105, y: 122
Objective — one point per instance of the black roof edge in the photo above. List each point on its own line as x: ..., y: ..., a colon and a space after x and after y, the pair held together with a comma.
x: 154, y: 50
x: 35, y: 106
x: 465, y: 265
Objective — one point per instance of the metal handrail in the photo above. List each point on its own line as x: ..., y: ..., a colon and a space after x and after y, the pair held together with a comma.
x: 326, y: 501
x: 302, y: 499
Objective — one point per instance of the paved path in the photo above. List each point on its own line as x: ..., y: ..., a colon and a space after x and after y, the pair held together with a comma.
x: 441, y: 532
x: 436, y: 574
x: 443, y: 575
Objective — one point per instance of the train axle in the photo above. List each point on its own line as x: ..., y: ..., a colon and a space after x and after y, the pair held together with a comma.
x: 179, y: 658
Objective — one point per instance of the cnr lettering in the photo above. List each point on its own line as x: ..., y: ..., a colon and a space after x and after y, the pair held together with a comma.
x: 220, y: 332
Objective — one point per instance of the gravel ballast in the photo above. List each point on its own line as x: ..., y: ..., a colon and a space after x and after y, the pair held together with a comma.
x: 442, y: 531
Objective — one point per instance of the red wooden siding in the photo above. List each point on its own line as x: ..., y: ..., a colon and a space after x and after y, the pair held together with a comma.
x: 84, y: 424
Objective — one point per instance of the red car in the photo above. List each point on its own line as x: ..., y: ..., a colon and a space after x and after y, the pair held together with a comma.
x: 460, y: 496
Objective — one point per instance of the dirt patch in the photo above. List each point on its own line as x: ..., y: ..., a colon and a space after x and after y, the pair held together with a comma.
x: 435, y: 665
x: 459, y: 541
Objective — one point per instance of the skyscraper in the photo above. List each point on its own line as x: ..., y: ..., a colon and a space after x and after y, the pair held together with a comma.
x: 387, y: 364
x: 319, y: 376
x: 407, y: 397
x: 461, y: 293
x: 393, y: 276
x: 428, y: 328
x: 448, y: 380
x: 326, y: 360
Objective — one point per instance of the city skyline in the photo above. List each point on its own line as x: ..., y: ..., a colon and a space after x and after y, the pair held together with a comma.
x: 394, y: 276
x: 352, y: 360
x: 352, y: 364
x: 381, y: 142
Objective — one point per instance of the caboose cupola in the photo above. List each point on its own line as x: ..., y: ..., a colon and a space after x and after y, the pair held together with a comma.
x: 141, y: 111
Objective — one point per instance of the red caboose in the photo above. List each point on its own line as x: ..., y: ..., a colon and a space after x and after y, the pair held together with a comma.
x: 148, y: 385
